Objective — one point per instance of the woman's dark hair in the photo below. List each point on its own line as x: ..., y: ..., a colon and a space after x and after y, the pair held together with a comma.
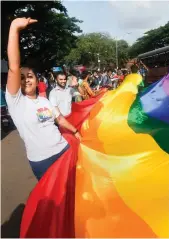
x: 100, y: 72
x: 109, y: 70
x: 84, y: 75
x: 32, y: 69
x: 134, y: 68
x: 124, y: 72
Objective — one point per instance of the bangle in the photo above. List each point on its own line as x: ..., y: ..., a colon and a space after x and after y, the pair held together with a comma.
x: 75, y: 131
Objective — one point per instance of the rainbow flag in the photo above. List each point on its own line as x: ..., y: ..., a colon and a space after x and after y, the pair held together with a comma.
x: 115, y: 183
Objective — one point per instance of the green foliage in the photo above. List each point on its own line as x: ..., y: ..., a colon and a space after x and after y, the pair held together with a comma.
x: 45, y: 43
x: 151, y: 40
x: 123, y: 49
x: 89, y: 45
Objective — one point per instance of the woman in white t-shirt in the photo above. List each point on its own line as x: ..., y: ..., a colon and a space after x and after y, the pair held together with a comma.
x: 33, y: 115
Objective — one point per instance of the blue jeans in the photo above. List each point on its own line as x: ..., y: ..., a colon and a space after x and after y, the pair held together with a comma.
x: 39, y: 168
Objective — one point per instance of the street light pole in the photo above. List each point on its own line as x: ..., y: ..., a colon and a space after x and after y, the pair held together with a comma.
x: 98, y: 54
x: 117, y: 64
x: 98, y: 59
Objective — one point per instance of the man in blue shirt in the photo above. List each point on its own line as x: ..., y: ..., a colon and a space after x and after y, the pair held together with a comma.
x: 106, y: 80
x: 95, y: 80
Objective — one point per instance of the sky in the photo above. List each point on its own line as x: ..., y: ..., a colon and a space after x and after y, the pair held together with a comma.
x: 127, y: 20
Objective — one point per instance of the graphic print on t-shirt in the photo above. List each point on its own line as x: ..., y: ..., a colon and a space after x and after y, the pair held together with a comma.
x: 44, y: 114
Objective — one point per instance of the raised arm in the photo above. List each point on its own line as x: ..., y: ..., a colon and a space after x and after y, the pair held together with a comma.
x: 144, y: 66
x: 89, y: 90
x: 14, y: 75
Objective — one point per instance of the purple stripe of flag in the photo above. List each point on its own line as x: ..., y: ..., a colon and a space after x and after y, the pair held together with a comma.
x: 155, y: 102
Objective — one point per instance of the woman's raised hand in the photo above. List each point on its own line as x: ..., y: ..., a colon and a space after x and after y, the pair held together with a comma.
x: 14, y: 74
x: 22, y: 23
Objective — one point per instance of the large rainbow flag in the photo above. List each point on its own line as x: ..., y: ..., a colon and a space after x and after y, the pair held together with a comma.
x: 115, y: 183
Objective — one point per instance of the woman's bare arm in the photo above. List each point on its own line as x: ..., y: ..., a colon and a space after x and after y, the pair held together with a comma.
x: 14, y: 76
x: 65, y: 124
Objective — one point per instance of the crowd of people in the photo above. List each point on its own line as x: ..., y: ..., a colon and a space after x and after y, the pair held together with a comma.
x: 73, y: 86
x: 62, y: 88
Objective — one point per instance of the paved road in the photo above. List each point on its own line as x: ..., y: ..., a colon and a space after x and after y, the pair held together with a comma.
x: 17, y: 181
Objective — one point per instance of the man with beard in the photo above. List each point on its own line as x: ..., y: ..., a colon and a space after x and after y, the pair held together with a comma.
x: 61, y: 95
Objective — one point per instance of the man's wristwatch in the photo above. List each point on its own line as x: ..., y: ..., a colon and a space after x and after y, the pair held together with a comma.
x: 75, y: 131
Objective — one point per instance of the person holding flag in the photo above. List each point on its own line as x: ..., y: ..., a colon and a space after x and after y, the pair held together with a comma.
x: 34, y: 116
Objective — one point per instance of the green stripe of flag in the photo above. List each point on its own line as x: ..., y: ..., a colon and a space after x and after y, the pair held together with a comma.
x: 140, y: 122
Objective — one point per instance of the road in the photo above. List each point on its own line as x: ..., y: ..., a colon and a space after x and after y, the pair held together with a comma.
x: 17, y: 181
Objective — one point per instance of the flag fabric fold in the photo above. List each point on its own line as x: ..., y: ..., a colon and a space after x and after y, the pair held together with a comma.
x: 115, y: 183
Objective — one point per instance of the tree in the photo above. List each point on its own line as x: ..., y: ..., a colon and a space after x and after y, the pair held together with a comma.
x: 88, y: 46
x: 123, y: 50
x: 151, y: 40
x: 45, y: 43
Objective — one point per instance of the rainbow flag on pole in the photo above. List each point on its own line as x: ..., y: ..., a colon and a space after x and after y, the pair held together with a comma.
x: 117, y: 185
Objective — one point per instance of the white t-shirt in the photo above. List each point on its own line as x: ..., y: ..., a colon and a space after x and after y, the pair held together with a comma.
x: 62, y: 98
x: 34, y: 120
